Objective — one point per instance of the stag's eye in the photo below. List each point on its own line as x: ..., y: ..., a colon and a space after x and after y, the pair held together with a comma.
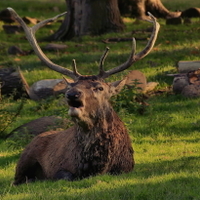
x: 100, y: 88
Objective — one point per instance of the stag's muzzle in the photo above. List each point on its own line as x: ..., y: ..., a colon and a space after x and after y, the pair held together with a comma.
x: 74, y: 101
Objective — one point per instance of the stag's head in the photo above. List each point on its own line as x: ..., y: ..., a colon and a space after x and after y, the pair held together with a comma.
x: 88, y: 96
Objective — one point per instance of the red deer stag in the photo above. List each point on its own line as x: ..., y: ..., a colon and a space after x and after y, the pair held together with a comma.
x: 98, y: 143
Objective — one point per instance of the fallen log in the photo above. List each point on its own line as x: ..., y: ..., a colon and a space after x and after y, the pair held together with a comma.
x: 109, y: 40
x: 187, y: 66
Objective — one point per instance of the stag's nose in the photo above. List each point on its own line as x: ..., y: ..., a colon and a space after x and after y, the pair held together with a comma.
x: 73, y: 95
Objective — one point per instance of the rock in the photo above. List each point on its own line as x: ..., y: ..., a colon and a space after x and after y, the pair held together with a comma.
x: 14, y: 50
x: 40, y: 125
x: 45, y: 88
x: 6, y: 16
x: 137, y: 76
x: 12, y: 29
x: 191, y: 91
x: 174, y: 21
x: 191, y: 12
x: 179, y: 83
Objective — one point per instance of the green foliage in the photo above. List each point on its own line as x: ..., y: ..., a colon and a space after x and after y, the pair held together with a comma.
x: 127, y: 99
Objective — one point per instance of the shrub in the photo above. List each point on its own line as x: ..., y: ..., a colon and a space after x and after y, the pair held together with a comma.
x: 130, y: 99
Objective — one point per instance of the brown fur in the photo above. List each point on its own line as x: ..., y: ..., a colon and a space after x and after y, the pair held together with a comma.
x: 98, y: 143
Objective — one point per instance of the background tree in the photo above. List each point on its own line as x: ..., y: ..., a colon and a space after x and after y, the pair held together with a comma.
x: 93, y: 17
x: 139, y: 9
x: 89, y: 17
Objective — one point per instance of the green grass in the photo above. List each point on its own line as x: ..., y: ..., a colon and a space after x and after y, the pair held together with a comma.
x: 165, y: 137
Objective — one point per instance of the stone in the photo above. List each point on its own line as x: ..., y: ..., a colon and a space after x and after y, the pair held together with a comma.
x: 191, y: 91
x: 40, y: 125
x: 137, y: 76
x: 179, y: 83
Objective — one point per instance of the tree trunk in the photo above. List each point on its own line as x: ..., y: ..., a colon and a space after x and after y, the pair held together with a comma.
x: 89, y: 17
x: 93, y: 17
x: 139, y: 9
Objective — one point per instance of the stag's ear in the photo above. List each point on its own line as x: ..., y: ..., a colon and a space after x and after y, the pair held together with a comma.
x: 67, y: 81
x: 117, y: 86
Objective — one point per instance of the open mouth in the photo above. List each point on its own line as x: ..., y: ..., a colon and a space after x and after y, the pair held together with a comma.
x: 75, y: 103
x: 75, y: 108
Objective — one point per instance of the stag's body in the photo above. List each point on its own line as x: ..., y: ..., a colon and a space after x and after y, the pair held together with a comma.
x: 97, y: 144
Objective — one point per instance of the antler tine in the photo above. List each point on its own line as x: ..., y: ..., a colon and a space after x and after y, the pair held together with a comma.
x: 152, y: 39
x: 101, y: 63
x: 46, y: 21
x: 135, y: 57
x: 75, y: 68
x: 30, y: 34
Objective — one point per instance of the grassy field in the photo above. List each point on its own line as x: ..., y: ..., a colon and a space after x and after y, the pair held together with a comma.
x: 166, y: 137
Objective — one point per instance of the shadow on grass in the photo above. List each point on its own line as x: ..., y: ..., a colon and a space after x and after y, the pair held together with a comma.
x: 183, y: 188
x: 149, y: 181
x: 170, y: 188
x: 184, y: 164
x: 167, y: 190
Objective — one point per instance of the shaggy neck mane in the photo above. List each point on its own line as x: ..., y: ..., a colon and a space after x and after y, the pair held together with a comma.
x: 106, y: 124
x: 98, y: 144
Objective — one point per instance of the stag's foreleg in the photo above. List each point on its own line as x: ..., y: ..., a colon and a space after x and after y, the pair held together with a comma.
x: 63, y: 174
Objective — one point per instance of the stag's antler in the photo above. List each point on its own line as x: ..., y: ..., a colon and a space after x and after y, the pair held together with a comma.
x: 133, y: 57
x: 30, y: 34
